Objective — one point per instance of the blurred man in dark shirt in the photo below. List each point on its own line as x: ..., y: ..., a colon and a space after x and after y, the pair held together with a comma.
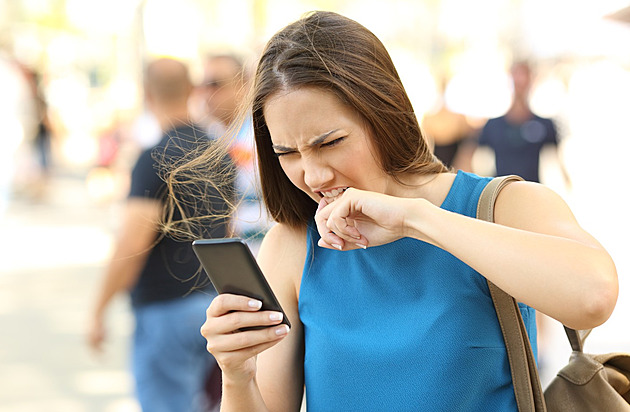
x: 168, y: 295
x: 518, y: 137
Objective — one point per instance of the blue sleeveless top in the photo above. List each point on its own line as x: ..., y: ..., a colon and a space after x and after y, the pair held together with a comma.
x: 404, y: 326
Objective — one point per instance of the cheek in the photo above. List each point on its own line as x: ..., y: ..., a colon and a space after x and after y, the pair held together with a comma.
x: 362, y: 167
x: 293, y: 171
x: 359, y: 159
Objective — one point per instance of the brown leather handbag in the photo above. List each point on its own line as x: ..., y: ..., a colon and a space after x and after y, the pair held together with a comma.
x: 588, y: 383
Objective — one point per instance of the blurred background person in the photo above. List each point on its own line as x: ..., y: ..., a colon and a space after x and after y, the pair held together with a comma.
x: 12, y: 99
x: 43, y: 134
x: 451, y: 134
x: 518, y: 137
x: 225, y: 85
x: 25, y: 158
x: 168, y: 295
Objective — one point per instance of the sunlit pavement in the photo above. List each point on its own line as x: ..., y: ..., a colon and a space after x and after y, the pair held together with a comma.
x: 52, y: 256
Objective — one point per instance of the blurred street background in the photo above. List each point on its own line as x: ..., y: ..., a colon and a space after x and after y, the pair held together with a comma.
x: 75, y: 67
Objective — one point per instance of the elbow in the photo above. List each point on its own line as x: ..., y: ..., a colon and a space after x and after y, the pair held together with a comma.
x: 599, y: 302
x: 600, y: 308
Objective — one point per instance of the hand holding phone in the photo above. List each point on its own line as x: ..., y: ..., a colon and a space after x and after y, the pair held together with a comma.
x: 233, y: 269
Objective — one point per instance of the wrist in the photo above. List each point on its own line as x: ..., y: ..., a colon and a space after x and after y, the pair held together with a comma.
x: 419, y: 219
x: 241, y: 394
x: 98, y: 311
x: 238, y: 380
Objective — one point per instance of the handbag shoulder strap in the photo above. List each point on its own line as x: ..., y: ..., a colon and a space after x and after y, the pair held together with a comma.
x: 485, y: 206
x: 577, y: 338
x: 527, y: 387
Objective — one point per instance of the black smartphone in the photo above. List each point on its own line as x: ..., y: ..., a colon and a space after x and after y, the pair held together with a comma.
x: 232, y: 268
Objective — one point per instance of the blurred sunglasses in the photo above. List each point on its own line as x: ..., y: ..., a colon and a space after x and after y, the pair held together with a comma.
x: 215, y: 83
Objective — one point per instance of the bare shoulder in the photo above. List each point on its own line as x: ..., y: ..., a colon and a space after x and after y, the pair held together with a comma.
x: 282, y: 254
x: 282, y: 234
x: 537, y: 208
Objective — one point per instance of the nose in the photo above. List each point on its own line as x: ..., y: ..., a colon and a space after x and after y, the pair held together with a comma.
x: 317, y: 172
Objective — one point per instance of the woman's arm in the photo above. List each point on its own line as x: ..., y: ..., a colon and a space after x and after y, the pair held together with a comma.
x: 280, y: 372
x: 135, y: 241
x: 537, y: 252
x: 250, y: 382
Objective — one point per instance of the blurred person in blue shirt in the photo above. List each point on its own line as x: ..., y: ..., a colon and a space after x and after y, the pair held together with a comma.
x: 224, y: 88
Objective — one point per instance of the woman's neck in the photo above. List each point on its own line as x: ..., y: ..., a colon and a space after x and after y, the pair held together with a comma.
x: 433, y: 187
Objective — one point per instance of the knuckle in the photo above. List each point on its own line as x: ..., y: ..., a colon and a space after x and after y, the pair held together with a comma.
x: 211, y: 346
x: 216, y: 304
x: 236, y: 321
x: 205, y: 330
x: 242, y: 340
x: 271, y: 333
x: 239, y: 320
x: 330, y: 224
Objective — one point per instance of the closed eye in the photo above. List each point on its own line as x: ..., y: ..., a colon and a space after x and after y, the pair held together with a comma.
x: 280, y: 154
x: 333, y: 142
x: 280, y: 151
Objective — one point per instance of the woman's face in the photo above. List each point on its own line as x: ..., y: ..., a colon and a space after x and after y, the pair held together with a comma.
x: 322, y: 144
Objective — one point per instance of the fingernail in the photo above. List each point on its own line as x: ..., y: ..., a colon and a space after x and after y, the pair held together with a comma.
x: 282, y: 330
x: 321, y: 205
x: 275, y: 316
x: 254, y: 304
x: 337, y: 246
x: 361, y: 246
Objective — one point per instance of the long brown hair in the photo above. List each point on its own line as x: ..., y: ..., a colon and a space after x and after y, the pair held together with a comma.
x: 337, y: 54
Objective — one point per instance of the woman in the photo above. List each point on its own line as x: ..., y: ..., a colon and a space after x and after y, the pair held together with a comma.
x: 377, y: 258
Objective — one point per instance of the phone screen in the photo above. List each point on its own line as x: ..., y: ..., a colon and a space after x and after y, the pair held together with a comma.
x: 232, y: 269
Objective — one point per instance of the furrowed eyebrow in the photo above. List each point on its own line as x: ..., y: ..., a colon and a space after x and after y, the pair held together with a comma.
x: 279, y: 148
x: 320, y: 139
x: 315, y: 142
